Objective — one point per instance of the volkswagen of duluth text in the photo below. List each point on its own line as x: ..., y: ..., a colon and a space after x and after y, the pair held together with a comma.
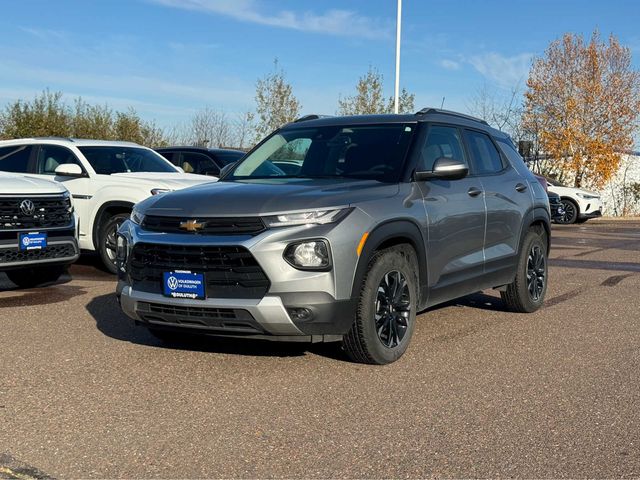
x: 184, y: 284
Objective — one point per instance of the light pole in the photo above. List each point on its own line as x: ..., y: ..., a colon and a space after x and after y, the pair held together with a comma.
x: 396, y: 97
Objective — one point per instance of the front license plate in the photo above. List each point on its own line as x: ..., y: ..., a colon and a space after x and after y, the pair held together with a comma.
x: 183, y: 284
x: 32, y: 241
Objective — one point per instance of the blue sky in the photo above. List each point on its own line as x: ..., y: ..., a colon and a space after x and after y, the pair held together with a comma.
x: 169, y: 58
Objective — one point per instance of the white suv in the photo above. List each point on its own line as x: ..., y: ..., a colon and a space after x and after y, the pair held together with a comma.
x: 579, y: 205
x: 105, y: 179
x: 37, y: 230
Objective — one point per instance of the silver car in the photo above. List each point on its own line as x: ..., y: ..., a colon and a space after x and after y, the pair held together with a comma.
x: 384, y: 216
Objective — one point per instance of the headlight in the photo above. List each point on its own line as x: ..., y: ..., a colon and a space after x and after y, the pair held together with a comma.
x: 316, y: 217
x: 158, y: 191
x: 308, y: 255
x: 69, y: 202
x: 137, y: 216
x: 587, y: 196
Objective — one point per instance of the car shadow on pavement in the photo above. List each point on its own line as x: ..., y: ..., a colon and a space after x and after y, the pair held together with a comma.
x: 7, y: 285
x: 112, y: 322
x: 477, y: 300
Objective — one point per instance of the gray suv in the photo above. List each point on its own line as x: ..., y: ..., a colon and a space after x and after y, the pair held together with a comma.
x: 340, y: 229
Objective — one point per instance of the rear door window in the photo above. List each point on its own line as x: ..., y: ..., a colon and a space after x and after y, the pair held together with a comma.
x: 484, y: 154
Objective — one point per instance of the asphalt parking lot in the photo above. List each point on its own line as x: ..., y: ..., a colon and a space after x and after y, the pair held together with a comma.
x: 480, y: 393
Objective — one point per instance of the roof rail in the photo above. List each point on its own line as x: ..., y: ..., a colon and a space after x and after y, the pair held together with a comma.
x: 427, y: 110
x: 313, y: 116
x: 53, y: 137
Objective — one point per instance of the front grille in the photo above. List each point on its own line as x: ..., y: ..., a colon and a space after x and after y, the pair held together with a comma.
x: 235, y: 320
x: 209, y: 226
x: 49, y: 212
x: 13, y: 255
x: 230, y: 272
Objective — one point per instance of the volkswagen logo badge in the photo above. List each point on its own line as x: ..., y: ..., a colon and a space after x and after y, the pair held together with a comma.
x: 172, y: 283
x: 27, y: 207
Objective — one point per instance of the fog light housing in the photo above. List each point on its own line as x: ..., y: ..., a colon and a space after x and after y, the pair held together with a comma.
x: 121, y: 251
x: 300, y: 314
x: 309, y: 255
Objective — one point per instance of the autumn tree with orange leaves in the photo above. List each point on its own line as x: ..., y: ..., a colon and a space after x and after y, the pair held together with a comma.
x: 582, y: 105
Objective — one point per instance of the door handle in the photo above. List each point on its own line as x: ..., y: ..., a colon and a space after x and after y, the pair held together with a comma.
x: 521, y: 187
x: 474, y: 192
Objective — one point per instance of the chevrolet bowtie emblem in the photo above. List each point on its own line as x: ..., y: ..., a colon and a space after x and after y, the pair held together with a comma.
x: 191, y: 225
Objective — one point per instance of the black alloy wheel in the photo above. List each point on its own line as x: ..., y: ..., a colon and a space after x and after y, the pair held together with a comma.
x: 536, y: 272
x: 393, y: 309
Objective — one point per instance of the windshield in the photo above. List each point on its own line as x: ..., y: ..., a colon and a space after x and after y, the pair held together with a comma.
x: 374, y: 152
x: 108, y: 160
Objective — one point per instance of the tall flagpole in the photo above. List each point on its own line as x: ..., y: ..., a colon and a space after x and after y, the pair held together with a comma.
x: 396, y: 98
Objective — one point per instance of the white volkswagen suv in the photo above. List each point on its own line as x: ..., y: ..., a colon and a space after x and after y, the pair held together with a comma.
x: 37, y: 230
x: 105, y: 179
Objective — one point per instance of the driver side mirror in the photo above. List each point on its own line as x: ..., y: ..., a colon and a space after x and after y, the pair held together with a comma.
x: 69, y: 170
x: 224, y: 170
x: 444, y: 169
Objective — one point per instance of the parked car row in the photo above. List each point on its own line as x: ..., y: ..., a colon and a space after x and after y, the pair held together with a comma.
x: 331, y: 229
x: 105, y: 180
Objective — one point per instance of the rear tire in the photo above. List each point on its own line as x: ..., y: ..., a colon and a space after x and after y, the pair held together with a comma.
x: 386, y: 314
x: 107, y: 240
x: 35, y: 276
x: 526, y: 293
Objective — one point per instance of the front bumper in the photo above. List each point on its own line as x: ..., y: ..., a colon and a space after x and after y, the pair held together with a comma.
x: 323, y: 296
x: 62, y: 249
x: 265, y: 318
x: 590, y: 208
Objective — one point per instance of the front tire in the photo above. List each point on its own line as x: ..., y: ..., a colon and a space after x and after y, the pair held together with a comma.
x: 107, y: 240
x: 527, y: 291
x: 386, y: 313
x: 571, y: 212
x: 35, y: 276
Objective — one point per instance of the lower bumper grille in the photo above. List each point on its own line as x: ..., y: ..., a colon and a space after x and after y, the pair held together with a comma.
x: 232, y: 320
x: 51, y: 252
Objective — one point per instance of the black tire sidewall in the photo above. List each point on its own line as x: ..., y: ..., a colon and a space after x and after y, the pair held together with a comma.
x: 566, y: 201
x: 106, y: 225
x: 532, y: 238
x: 388, y: 261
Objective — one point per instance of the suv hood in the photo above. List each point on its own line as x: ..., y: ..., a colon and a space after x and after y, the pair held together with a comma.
x: 173, y: 181
x: 11, y: 183
x: 260, y: 197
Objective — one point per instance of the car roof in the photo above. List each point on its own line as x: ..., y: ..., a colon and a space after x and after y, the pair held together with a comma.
x: 77, y: 142
x: 199, y: 149
x: 424, y: 115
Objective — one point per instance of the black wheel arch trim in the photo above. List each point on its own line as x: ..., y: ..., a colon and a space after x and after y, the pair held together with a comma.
x: 564, y: 197
x: 98, y: 218
x: 536, y: 215
x: 401, y: 229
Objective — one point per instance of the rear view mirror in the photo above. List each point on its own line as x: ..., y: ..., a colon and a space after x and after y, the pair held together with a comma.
x: 69, y: 170
x: 444, y: 169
